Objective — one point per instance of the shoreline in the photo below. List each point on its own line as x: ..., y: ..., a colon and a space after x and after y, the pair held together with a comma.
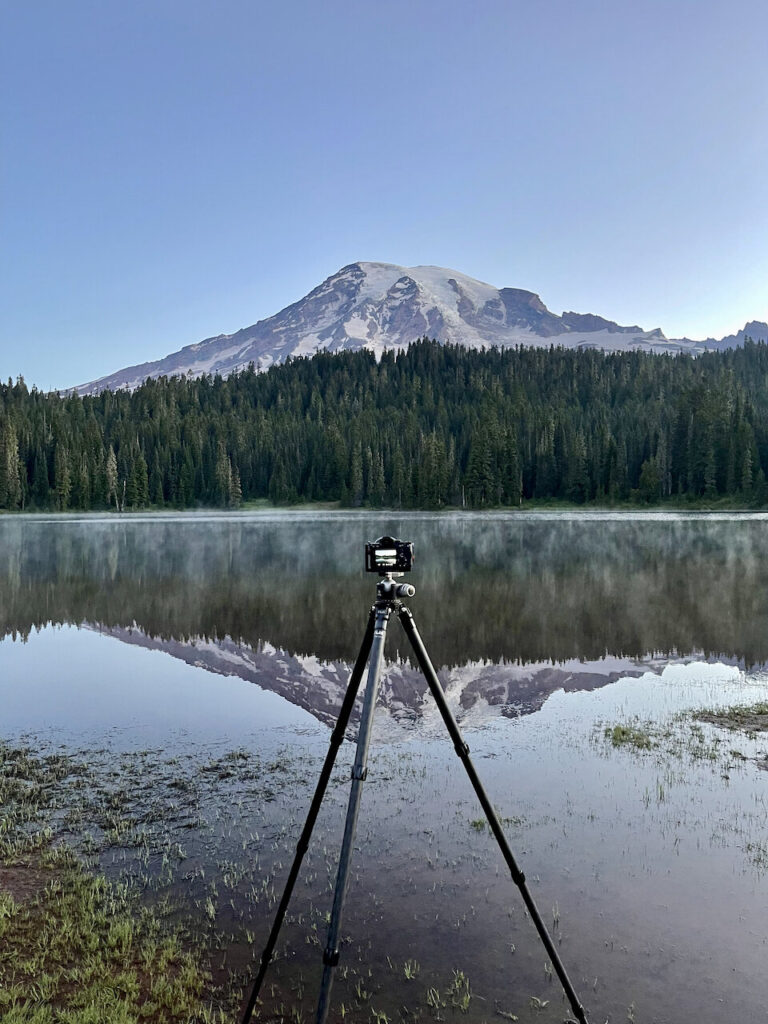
x: 334, y: 509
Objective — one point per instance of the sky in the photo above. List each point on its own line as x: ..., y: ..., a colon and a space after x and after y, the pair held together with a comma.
x: 176, y: 169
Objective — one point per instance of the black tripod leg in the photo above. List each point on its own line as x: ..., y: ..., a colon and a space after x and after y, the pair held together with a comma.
x: 337, y: 738
x: 406, y: 617
x: 359, y: 772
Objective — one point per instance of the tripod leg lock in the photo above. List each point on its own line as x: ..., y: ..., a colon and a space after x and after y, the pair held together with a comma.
x: 462, y: 749
x: 359, y: 773
x: 331, y: 957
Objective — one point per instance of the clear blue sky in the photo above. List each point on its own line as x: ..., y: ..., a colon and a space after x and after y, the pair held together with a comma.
x: 173, y: 169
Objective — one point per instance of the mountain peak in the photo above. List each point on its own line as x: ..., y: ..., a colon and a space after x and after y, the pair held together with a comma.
x: 756, y: 330
x: 381, y: 306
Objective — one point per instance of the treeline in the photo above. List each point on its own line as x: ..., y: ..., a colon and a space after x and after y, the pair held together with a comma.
x: 432, y: 426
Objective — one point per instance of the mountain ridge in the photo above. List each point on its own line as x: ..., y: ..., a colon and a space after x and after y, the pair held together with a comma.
x: 381, y: 306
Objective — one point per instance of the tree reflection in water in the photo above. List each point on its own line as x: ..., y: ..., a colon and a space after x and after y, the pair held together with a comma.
x: 497, y: 592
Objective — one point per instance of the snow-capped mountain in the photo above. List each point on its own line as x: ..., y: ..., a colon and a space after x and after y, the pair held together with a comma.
x: 381, y: 306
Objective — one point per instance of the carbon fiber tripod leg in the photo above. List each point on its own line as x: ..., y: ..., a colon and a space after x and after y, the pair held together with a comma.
x: 337, y: 738
x: 409, y: 625
x: 359, y: 772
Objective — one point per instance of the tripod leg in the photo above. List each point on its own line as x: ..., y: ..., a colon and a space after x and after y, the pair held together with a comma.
x: 359, y: 772
x: 337, y: 737
x: 409, y: 625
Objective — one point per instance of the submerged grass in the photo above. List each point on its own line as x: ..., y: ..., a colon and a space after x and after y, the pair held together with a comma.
x: 684, y: 737
x: 694, y: 738
x: 635, y: 736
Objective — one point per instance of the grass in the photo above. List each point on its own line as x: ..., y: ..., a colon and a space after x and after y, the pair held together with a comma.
x: 76, y: 947
x: 81, y: 951
x: 682, y: 737
x: 746, y: 718
x: 637, y: 737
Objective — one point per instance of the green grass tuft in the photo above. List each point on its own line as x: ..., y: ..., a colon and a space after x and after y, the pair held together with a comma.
x: 629, y: 736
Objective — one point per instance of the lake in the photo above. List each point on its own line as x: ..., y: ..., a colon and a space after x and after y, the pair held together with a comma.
x: 196, y: 662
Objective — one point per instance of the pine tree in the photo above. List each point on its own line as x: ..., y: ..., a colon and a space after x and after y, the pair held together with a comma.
x: 83, y: 488
x: 156, y: 495
x: 41, y: 488
x: 356, y: 484
x: 397, y: 489
x: 747, y: 462
x: 650, y: 481
x: 223, y: 477
x: 10, y: 468
x: 62, y: 476
x: 376, y: 480
x: 512, y: 481
x: 479, y: 482
x: 137, y: 489
x: 236, y: 494
x: 577, y: 478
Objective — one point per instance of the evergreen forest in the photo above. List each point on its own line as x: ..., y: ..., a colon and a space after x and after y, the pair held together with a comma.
x: 430, y: 427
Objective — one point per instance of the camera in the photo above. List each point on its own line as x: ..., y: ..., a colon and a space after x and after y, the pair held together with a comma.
x: 388, y: 555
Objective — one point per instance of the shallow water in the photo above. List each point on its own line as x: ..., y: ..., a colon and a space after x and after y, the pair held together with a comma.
x: 193, y: 636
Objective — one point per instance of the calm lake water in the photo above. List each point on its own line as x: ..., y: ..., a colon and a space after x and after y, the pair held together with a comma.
x: 197, y: 662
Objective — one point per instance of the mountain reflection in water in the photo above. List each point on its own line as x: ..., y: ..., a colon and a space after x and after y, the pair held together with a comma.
x: 511, y: 606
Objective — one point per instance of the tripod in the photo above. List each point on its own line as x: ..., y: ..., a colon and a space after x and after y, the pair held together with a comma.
x: 388, y: 594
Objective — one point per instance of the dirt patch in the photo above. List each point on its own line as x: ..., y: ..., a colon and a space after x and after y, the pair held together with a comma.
x: 23, y: 883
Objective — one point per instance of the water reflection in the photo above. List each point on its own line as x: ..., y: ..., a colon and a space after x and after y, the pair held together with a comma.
x: 512, y: 607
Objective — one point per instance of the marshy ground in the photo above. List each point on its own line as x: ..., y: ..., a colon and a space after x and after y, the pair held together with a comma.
x: 139, y: 886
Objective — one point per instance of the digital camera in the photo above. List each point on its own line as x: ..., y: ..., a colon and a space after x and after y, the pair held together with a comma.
x: 388, y: 555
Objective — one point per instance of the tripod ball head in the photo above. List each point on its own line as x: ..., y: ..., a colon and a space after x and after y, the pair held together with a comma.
x: 390, y: 589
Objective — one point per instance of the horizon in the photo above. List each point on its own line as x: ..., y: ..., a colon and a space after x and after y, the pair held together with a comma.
x: 173, y: 172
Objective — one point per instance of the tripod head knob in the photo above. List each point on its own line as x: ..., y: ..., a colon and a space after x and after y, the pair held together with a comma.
x: 389, y: 589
